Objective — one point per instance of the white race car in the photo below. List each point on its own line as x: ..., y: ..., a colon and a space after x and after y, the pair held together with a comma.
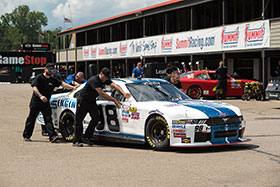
x: 157, y: 114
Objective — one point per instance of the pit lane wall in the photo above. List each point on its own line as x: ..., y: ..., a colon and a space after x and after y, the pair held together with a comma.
x: 243, y: 36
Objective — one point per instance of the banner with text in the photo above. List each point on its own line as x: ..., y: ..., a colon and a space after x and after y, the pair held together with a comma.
x: 251, y: 35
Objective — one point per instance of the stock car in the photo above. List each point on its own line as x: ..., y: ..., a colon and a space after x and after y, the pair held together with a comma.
x: 157, y: 114
x: 197, y: 84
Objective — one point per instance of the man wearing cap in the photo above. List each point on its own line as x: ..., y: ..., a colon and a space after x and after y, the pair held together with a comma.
x: 86, y: 103
x: 42, y: 87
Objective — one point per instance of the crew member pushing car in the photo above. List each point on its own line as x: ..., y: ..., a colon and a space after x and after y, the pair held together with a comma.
x: 42, y: 87
x: 86, y: 103
x: 222, y: 80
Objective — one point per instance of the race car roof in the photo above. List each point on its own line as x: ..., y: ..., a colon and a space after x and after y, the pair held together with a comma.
x: 133, y: 80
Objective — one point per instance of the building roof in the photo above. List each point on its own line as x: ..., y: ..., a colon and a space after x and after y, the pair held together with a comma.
x: 122, y: 15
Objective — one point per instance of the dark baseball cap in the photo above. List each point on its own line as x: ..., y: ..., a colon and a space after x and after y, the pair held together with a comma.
x: 106, y: 72
x: 49, y: 65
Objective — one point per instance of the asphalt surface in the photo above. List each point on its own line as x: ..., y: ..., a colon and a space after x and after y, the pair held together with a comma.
x: 40, y: 163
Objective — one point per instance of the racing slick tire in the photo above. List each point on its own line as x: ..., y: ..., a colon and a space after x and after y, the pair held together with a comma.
x: 195, y: 92
x: 66, y: 126
x: 157, y: 133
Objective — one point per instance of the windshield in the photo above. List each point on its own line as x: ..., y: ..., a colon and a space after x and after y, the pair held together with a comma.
x: 155, y: 91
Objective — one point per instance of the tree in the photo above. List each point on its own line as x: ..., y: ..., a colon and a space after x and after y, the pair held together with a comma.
x: 49, y: 36
x: 24, y: 26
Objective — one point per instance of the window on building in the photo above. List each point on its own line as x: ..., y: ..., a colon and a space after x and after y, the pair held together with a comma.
x: 104, y: 34
x: 242, y: 10
x: 207, y: 15
x: 118, y: 32
x: 179, y: 20
x: 80, y: 39
x: 155, y: 24
x: 92, y: 37
x: 272, y: 8
x: 68, y: 40
x: 60, y: 42
x: 135, y: 28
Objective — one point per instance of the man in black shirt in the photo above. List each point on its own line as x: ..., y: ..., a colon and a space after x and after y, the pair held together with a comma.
x: 86, y: 103
x: 222, y: 80
x: 42, y: 87
x: 175, y: 80
x: 170, y: 69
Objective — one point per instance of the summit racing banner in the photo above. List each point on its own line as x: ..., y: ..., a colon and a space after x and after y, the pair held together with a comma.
x: 243, y: 36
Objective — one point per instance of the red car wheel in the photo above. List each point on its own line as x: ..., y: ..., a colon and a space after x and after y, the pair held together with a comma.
x: 195, y: 92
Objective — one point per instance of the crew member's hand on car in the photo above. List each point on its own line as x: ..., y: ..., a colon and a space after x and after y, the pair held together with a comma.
x: 127, y: 95
x: 118, y: 104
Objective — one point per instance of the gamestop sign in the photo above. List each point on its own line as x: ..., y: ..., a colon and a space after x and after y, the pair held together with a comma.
x: 24, y: 59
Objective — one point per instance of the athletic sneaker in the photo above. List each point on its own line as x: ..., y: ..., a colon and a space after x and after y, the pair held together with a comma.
x: 87, y: 141
x: 53, y: 139
x: 27, y: 139
x: 45, y: 134
x: 77, y: 144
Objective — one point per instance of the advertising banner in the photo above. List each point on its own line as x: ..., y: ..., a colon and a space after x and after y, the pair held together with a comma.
x: 243, y: 36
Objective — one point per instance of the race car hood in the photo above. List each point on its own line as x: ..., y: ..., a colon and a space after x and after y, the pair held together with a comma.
x: 200, y: 108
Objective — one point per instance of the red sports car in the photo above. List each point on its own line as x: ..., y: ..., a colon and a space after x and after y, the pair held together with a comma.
x: 203, y: 83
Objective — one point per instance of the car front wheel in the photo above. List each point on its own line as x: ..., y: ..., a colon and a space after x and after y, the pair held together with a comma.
x: 157, y: 133
x: 66, y: 125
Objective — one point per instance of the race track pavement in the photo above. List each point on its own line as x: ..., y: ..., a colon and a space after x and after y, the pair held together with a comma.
x: 40, y: 163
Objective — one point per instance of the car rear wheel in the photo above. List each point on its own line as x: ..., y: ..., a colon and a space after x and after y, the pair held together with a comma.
x: 66, y: 125
x: 195, y: 92
x: 157, y: 133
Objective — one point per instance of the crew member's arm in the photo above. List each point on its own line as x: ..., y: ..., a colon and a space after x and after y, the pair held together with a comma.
x: 68, y: 86
x: 75, y: 83
x: 108, y: 97
x: 118, y: 88
x: 37, y: 92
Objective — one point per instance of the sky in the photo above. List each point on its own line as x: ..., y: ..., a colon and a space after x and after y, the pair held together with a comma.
x: 82, y: 11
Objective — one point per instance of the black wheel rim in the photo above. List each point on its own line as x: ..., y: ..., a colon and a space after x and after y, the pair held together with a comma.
x: 69, y: 122
x: 158, y: 132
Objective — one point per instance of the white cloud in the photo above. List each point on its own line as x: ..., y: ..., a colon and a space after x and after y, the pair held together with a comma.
x: 83, y: 12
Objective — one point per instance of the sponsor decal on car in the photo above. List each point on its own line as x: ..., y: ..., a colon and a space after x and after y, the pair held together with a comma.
x: 135, y: 115
x: 179, y: 133
x: 156, y: 111
x: 186, y: 140
x: 71, y: 103
x: 125, y: 116
x: 179, y: 121
x: 132, y: 109
x: 178, y: 126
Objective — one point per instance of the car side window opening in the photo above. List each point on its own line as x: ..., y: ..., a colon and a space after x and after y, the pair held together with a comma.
x: 202, y: 76
x: 118, y: 96
x: 155, y: 91
x: 213, y: 76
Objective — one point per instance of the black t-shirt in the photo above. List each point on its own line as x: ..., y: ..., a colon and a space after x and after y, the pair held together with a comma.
x: 45, y: 87
x: 221, y: 73
x: 89, y: 92
x: 178, y: 84
x: 171, y: 69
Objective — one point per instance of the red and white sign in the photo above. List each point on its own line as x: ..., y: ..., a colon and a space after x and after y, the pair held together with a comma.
x: 243, y: 36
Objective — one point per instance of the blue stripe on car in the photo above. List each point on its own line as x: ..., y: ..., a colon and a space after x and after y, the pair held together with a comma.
x: 125, y: 135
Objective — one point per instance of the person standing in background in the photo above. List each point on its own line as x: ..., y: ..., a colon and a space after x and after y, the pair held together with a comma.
x: 138, y: 71
x: 222, y: 80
